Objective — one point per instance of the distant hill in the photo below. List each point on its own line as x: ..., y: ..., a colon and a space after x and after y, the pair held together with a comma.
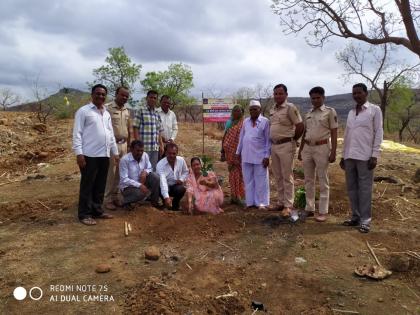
x: 74, y: 96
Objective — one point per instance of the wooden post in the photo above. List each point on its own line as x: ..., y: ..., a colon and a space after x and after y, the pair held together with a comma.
x: 202, y: 116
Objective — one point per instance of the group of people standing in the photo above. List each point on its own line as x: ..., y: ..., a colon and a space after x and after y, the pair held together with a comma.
x: 152, y: 169
x: 249, y: 143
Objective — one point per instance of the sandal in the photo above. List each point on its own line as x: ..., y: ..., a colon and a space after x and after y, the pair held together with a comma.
x: 88, y: 221
x: 321, y: 218
x: 364, y: 228
x: 350, y: 223
x: 286, y: 212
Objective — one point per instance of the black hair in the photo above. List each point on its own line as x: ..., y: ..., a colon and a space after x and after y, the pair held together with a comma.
x: 99, y: 86
x: 165, y: 97
x: 152, y: 92
x: 171, y: 145
x: 195, y: 158
x: 362, y: 86
x: 121, y: 87
x: 281, y: 85
x: 317, y: 90
x: 135, y: 143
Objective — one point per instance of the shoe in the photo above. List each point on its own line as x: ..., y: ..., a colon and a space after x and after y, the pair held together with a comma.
x: 110, y: 206
x: 286, y: 212
x: 88, y: 221
x: 351, y: 223
x: 321, y: 218
x: 364, y: 228
x: 104, y: 216
x: 262, y: 208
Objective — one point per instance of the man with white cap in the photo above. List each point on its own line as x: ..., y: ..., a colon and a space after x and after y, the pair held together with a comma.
x: 253, y: 152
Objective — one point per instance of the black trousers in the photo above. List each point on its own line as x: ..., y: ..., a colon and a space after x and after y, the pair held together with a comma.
x: 176, y: 191
x: 92, y: 186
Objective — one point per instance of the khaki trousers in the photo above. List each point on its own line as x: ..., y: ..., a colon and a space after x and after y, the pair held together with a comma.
x: 282, y: 157
x: 113, y: 178
x: 315, y: 162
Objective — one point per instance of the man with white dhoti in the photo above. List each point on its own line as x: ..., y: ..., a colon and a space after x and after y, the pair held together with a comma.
x: 253, y: 152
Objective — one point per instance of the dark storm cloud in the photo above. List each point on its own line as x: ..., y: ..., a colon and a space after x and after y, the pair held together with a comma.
x: 228, y: 43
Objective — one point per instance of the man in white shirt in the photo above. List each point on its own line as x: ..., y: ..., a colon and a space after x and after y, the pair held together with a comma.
x: 93, y: 141
x: 362, y: 142
x: 168, y: 117
x: 137, y: 181
x: 173, y: 172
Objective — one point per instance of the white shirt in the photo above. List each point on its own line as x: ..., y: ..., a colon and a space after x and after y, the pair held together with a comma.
x: 130, y: 170
x: 169, y: 124
x: 93, y: 135
x: 168, y: 177
x: 364, y: 133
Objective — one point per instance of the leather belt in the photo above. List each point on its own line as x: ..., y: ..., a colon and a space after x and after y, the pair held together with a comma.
x: 320, y: 142
x: 281, y: 141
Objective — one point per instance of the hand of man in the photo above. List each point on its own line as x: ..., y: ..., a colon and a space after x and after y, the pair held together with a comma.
x: 372, y: 163
x: 81, y: 161
x: 144, y: 189
x: 179, y: 182
x: 265, y: 162
x: 342, y: 164
x: 116, y: 159
x: 331, y: 159
x: 143, y: 176
x: 168, y: 202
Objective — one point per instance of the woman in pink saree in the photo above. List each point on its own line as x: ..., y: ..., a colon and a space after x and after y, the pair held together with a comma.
x: 204, y: 192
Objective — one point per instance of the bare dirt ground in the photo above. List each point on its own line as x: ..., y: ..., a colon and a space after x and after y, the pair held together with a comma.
x: 203, y: 257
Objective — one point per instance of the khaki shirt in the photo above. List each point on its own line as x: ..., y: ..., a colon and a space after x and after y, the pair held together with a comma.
x: 319, y: 122
x: 120, y: 120
x: 283, y: 119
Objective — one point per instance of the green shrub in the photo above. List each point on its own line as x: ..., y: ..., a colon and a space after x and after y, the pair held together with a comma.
x: 300, y: 198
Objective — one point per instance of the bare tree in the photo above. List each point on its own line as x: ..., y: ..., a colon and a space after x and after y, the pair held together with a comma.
x: 265, y: 95
x: 371, y: 21
x: 8, y: 98
x: 376, y: 66
x: 44, y: 106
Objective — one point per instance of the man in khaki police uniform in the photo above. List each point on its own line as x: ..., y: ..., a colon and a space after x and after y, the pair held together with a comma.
x: 120, y: 117
x: 286, y: 128
x: 316, y: 153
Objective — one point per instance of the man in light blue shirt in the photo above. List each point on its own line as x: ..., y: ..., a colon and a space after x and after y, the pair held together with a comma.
x: 254, y: 151
x: 137, y: 181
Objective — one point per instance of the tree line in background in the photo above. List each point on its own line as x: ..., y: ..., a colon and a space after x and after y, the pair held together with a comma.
x: 375, y: 30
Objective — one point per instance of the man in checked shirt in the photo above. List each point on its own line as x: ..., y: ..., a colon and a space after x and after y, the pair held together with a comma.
x: 147, y: 127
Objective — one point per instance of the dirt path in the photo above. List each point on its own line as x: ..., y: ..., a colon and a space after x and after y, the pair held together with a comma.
x: 203, y: 257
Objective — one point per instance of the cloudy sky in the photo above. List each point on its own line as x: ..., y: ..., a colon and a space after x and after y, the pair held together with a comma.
x: 229, y: 44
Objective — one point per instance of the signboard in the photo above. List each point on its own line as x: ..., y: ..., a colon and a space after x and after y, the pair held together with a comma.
x: 217, y: 109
